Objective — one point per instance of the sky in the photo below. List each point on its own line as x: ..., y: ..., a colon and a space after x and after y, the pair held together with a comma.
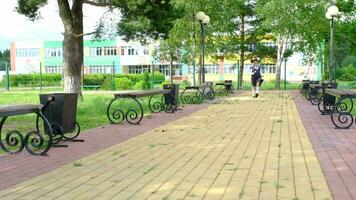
x: 16, y: 27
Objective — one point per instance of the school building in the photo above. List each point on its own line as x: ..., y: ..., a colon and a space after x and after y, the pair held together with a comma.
x: 123, y: 57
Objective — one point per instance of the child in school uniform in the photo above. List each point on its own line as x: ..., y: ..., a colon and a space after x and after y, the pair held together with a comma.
x: 256, y: 76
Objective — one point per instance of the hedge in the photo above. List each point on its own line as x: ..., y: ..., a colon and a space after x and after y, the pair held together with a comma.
x: 30, y: 80
x: 104, y: 80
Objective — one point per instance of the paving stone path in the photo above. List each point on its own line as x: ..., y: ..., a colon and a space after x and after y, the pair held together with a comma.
x: 242, y: 148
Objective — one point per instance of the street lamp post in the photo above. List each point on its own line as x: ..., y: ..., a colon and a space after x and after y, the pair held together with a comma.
x: 203, y: 20
x: 332, y: 12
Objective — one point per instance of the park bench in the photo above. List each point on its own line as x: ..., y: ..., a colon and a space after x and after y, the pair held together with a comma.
x: 116, y: 113
x: 36, y: 142
x: 224, y: 88
x: 341, y: 112
x: 196, y: 94
x: 55, y: 121
x: 306, y: 90
x: 326, y: 101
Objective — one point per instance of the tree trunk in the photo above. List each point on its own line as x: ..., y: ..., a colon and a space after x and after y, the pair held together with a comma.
x: 282, y: 45
x: 242, y: 48
x: 72, y: 19
x: 72, y: 63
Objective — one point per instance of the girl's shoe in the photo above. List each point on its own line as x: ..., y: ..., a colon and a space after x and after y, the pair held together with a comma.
x: 256, y: 95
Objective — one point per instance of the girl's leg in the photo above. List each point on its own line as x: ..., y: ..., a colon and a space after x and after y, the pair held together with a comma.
x: 253, y: 91
x: 258, y: 87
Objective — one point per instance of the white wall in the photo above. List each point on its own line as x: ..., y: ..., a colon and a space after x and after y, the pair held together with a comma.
x: 297, y: 70
x: 25, y: 65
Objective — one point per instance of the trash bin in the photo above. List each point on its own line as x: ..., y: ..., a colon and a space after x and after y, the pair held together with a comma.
x: 228, y: 84
x: 62, y: 110
x: 172, y: 98
x: 328, y: 99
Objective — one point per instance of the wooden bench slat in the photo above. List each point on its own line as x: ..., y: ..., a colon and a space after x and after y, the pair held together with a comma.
x: 141, y: 93
x: 340, y: 93
x: 11, y: 110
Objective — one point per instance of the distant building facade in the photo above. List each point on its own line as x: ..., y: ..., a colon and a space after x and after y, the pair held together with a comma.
x: 121, y: 57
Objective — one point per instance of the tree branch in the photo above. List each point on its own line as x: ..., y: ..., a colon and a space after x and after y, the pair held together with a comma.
x: 95, y: 3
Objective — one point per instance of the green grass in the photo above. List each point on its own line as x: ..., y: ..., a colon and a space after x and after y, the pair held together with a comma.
x: 91, y: 111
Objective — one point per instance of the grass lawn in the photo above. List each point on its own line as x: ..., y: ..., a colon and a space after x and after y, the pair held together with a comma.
x: 91, y: 110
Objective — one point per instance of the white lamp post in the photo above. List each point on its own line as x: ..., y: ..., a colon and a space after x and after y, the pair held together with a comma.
x: 203, y: 20
x: 332, y: 12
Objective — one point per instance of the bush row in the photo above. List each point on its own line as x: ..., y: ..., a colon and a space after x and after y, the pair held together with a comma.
x: 104, y: 80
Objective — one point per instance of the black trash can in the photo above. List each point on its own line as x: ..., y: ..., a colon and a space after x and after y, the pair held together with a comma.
x: 228, y: 84
x: 172, y: 98
x: 328, y: 99
x: 62, y: 110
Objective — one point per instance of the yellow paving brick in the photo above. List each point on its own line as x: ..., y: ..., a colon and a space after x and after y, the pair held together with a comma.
x: 241, y: 148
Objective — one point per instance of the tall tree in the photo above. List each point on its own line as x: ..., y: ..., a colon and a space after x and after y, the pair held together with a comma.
x: 140, y: 19
x: 301, y: 24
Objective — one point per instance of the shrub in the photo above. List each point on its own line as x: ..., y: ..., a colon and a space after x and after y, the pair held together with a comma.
x: 94, y: 79
x: 146, y: 81
x: 347, y: 77
x: 165, y: 82
x: 139, y: 85
x: 123, y: 83
x: 185, y: 83
x: 30, y: 80
x: 159, y: 77
x: 107, y: 83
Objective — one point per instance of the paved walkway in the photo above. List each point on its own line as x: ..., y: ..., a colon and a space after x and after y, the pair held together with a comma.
x: 243, y: 148
x: 335, y: 148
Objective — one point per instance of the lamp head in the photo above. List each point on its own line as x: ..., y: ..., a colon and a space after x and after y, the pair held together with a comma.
x: 328, y: 16
x: 200, y: 16
x: 333, y: 11
x: 206, y: 20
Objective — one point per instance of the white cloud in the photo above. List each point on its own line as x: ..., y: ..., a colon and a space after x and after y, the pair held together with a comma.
x: 14, y: 27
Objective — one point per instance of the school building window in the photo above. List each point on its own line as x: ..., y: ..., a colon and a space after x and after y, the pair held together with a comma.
x: 139, y: 69
x: 176, y: 70
x: 100, y: 69
x: 102, y: 51
x: 53, y: 69
x: 132, y: 51
x: 212, y: 69
x: 54, y: 52
x: 27, y: 52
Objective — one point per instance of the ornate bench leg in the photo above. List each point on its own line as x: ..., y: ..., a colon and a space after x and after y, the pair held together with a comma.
x: 157, y: 106
x: 220, y: 90
x: 39, y: 142
x: 117, y: 115
x: 13, y: 140
x: 341, y: 113
x: 316, y: 96
x: 197, y: 98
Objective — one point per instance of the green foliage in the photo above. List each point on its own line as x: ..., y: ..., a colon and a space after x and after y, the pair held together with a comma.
x: 30, y: 8
x: 347, y: 77
x: 159, y: 77
x: 94, y: 79
x: 346, y: 73
x: 349, y: 60
x: 33, y: 80
x: 4, y: 57
x: 139, y: 85
x: 142, y: 19
x: 185, y: 83
x: 165, y: 83
x: 146, y: 81
x: 123, y: 83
